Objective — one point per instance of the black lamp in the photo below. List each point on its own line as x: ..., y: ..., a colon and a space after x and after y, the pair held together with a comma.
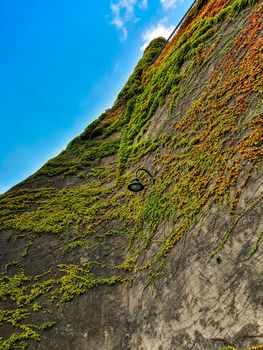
x: 136, y: 185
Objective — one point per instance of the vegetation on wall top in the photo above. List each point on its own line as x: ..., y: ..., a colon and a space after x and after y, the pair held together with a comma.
x: 204, y: 152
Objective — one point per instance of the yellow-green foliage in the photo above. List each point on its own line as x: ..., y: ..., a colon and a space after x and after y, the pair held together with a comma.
x: 19, y: 340
x: 22, y: 200
x: 77, y: 279
x: 206, y: 148
x: 163, y: 81
x: 25, y: 332
x: 106, y: 173
x: 254, y: 249
x: 25, y: 292
x: 61, y: 210
x: 197, y: 156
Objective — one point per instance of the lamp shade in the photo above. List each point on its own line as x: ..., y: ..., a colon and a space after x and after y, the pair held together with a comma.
x: 135, y: 186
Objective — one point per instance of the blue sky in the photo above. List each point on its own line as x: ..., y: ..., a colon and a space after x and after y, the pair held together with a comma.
x: 62, y: 63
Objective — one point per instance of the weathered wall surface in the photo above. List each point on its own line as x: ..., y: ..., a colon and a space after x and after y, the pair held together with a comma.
x: 87, y: 265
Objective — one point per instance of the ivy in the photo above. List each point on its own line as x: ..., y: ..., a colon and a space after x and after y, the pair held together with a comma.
x: 198, y: 153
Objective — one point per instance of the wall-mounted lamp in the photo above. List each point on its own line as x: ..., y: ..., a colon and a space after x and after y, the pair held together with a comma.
x: 136, y: 185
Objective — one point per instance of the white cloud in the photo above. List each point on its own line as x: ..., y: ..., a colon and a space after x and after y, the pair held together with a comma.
x: 160, y: 29
x: 143, y: 4
x: 124, y: 11
x: 168, y: 4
